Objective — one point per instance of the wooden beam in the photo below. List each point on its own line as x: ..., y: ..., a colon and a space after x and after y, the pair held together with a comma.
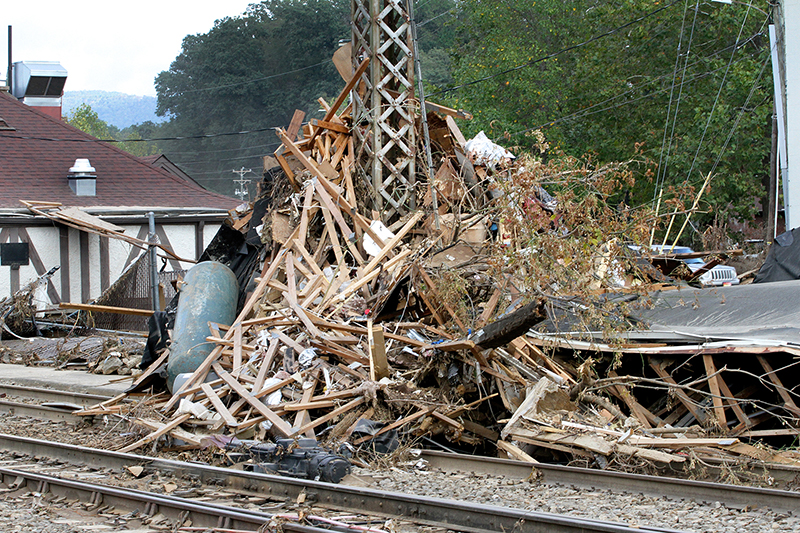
x: 682, y: 397
x: 106, y: 309
x: 713, y: 385
x: 333, y: 414
x: 294, y: 125
x: 378, y: 364
x: 277, y: 422
x: 783, y: 391
x: 219, y: 406
x: 331, y: 126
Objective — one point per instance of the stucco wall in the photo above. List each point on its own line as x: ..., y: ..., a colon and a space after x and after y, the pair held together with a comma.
x: 47, y: 243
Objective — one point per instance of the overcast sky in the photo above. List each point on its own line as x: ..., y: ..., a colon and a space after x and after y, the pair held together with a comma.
x: 108, y: 46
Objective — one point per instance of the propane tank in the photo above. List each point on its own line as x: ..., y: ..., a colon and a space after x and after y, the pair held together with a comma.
x: 209, y: 293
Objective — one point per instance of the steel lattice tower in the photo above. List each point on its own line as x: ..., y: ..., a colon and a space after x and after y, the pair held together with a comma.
x: 384, y: 106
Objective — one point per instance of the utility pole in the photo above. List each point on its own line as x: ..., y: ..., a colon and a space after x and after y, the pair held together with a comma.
x: 242, y: 185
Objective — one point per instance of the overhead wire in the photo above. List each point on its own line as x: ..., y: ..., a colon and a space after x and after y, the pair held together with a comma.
x: 594, y: 108
x: 559, y: 52
x: 662, y: 169
x: 719, y: 92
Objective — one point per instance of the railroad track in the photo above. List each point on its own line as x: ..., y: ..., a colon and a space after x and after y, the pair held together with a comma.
x: 735, y: 496
x: 435, y: 512
x: 178, y: 510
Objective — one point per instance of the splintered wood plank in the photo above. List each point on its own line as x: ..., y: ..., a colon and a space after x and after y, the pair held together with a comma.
x: 310, y: 262
x: 305, y: 215
x: 75, y: 215
x: 394, y: 241
x: 713, y: 385
x: 266, y: 363
x: 333, y: 414
x: 106, y: 309
x: 197, y: 376
x: 169, y: 426
x: 455, y: 132
x: 277, y: 422
x: 359, y: 330
x: 152, y: 368
x: 303, y: 418
x: 783, y: 391
x: 362, y: 68
x: 288, y: 341
x: 291, y: 282
x: 489, y: 308
x: 352, y: 211
x: 237, y: 348
x: 351, y: 189
x: 347, y: 233
x: 334, y: 237
x: 300, y: 267
x: 338, y: 350
x: 744, y: 420
x: 286, y: 169
x: 640, y: 412
x: 339, y: 146
x: 301, y: 314
x: 294, y: 125
x: 447, y: 420
x: 682, y: 397
x: 515, y: 453
x: 553, y: 446
x: 464, y: 408
x: 331, y: 126
x: 362, y: 281
x: 378, y: 364
x: 308, y: 163
x: 432, y: 289
x: 219, y: 407
x: 402, y: 421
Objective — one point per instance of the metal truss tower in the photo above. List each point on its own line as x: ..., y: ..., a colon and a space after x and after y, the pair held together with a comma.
x: 384, y: 106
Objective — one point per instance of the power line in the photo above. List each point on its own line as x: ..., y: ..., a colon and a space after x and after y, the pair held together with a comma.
x: 179, y: 138
x: 255, y: 80
x: 592, y: 111
x: 554, y: 54
x: 719, y: 92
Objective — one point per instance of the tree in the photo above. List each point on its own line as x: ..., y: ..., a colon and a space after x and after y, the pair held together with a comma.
x: 249, y: 74
x: 87, y: 120
x: 600, y: 78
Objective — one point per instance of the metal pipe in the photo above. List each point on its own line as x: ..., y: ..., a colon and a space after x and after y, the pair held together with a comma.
x: 9, y: 80
x: 153, y: 260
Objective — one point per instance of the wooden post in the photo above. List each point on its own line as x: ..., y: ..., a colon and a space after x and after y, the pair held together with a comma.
x: 378, y: 364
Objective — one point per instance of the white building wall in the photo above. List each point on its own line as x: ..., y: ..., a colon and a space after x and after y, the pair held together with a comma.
x: 46, y: 240
x: 74, y: 265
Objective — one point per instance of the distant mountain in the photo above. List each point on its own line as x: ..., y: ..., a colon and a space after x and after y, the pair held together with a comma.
x: 117, y: 109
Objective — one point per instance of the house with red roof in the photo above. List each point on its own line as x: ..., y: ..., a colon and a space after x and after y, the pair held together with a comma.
x: 43, y: 159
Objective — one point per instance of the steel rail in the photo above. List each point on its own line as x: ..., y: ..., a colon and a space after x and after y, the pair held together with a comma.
x: 458, y: 515
x: 203, y: 514
x: 42, y: 412
x: 53, y: 395
x: 735, y: 496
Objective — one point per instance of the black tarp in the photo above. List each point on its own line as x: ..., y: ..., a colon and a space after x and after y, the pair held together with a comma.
x: 783, y: 259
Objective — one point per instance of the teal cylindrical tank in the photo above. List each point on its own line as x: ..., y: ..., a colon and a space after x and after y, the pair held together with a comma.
x: 209, y: 294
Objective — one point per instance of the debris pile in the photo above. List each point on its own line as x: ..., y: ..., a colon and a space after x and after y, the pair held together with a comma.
x: 352, y: 331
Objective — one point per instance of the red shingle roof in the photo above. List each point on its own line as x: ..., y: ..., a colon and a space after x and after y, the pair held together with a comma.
x: 36, y: 156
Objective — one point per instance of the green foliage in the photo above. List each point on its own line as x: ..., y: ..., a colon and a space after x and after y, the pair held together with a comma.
x: 86, y: 119
x: 249, y: 73
x: 610, y: 96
